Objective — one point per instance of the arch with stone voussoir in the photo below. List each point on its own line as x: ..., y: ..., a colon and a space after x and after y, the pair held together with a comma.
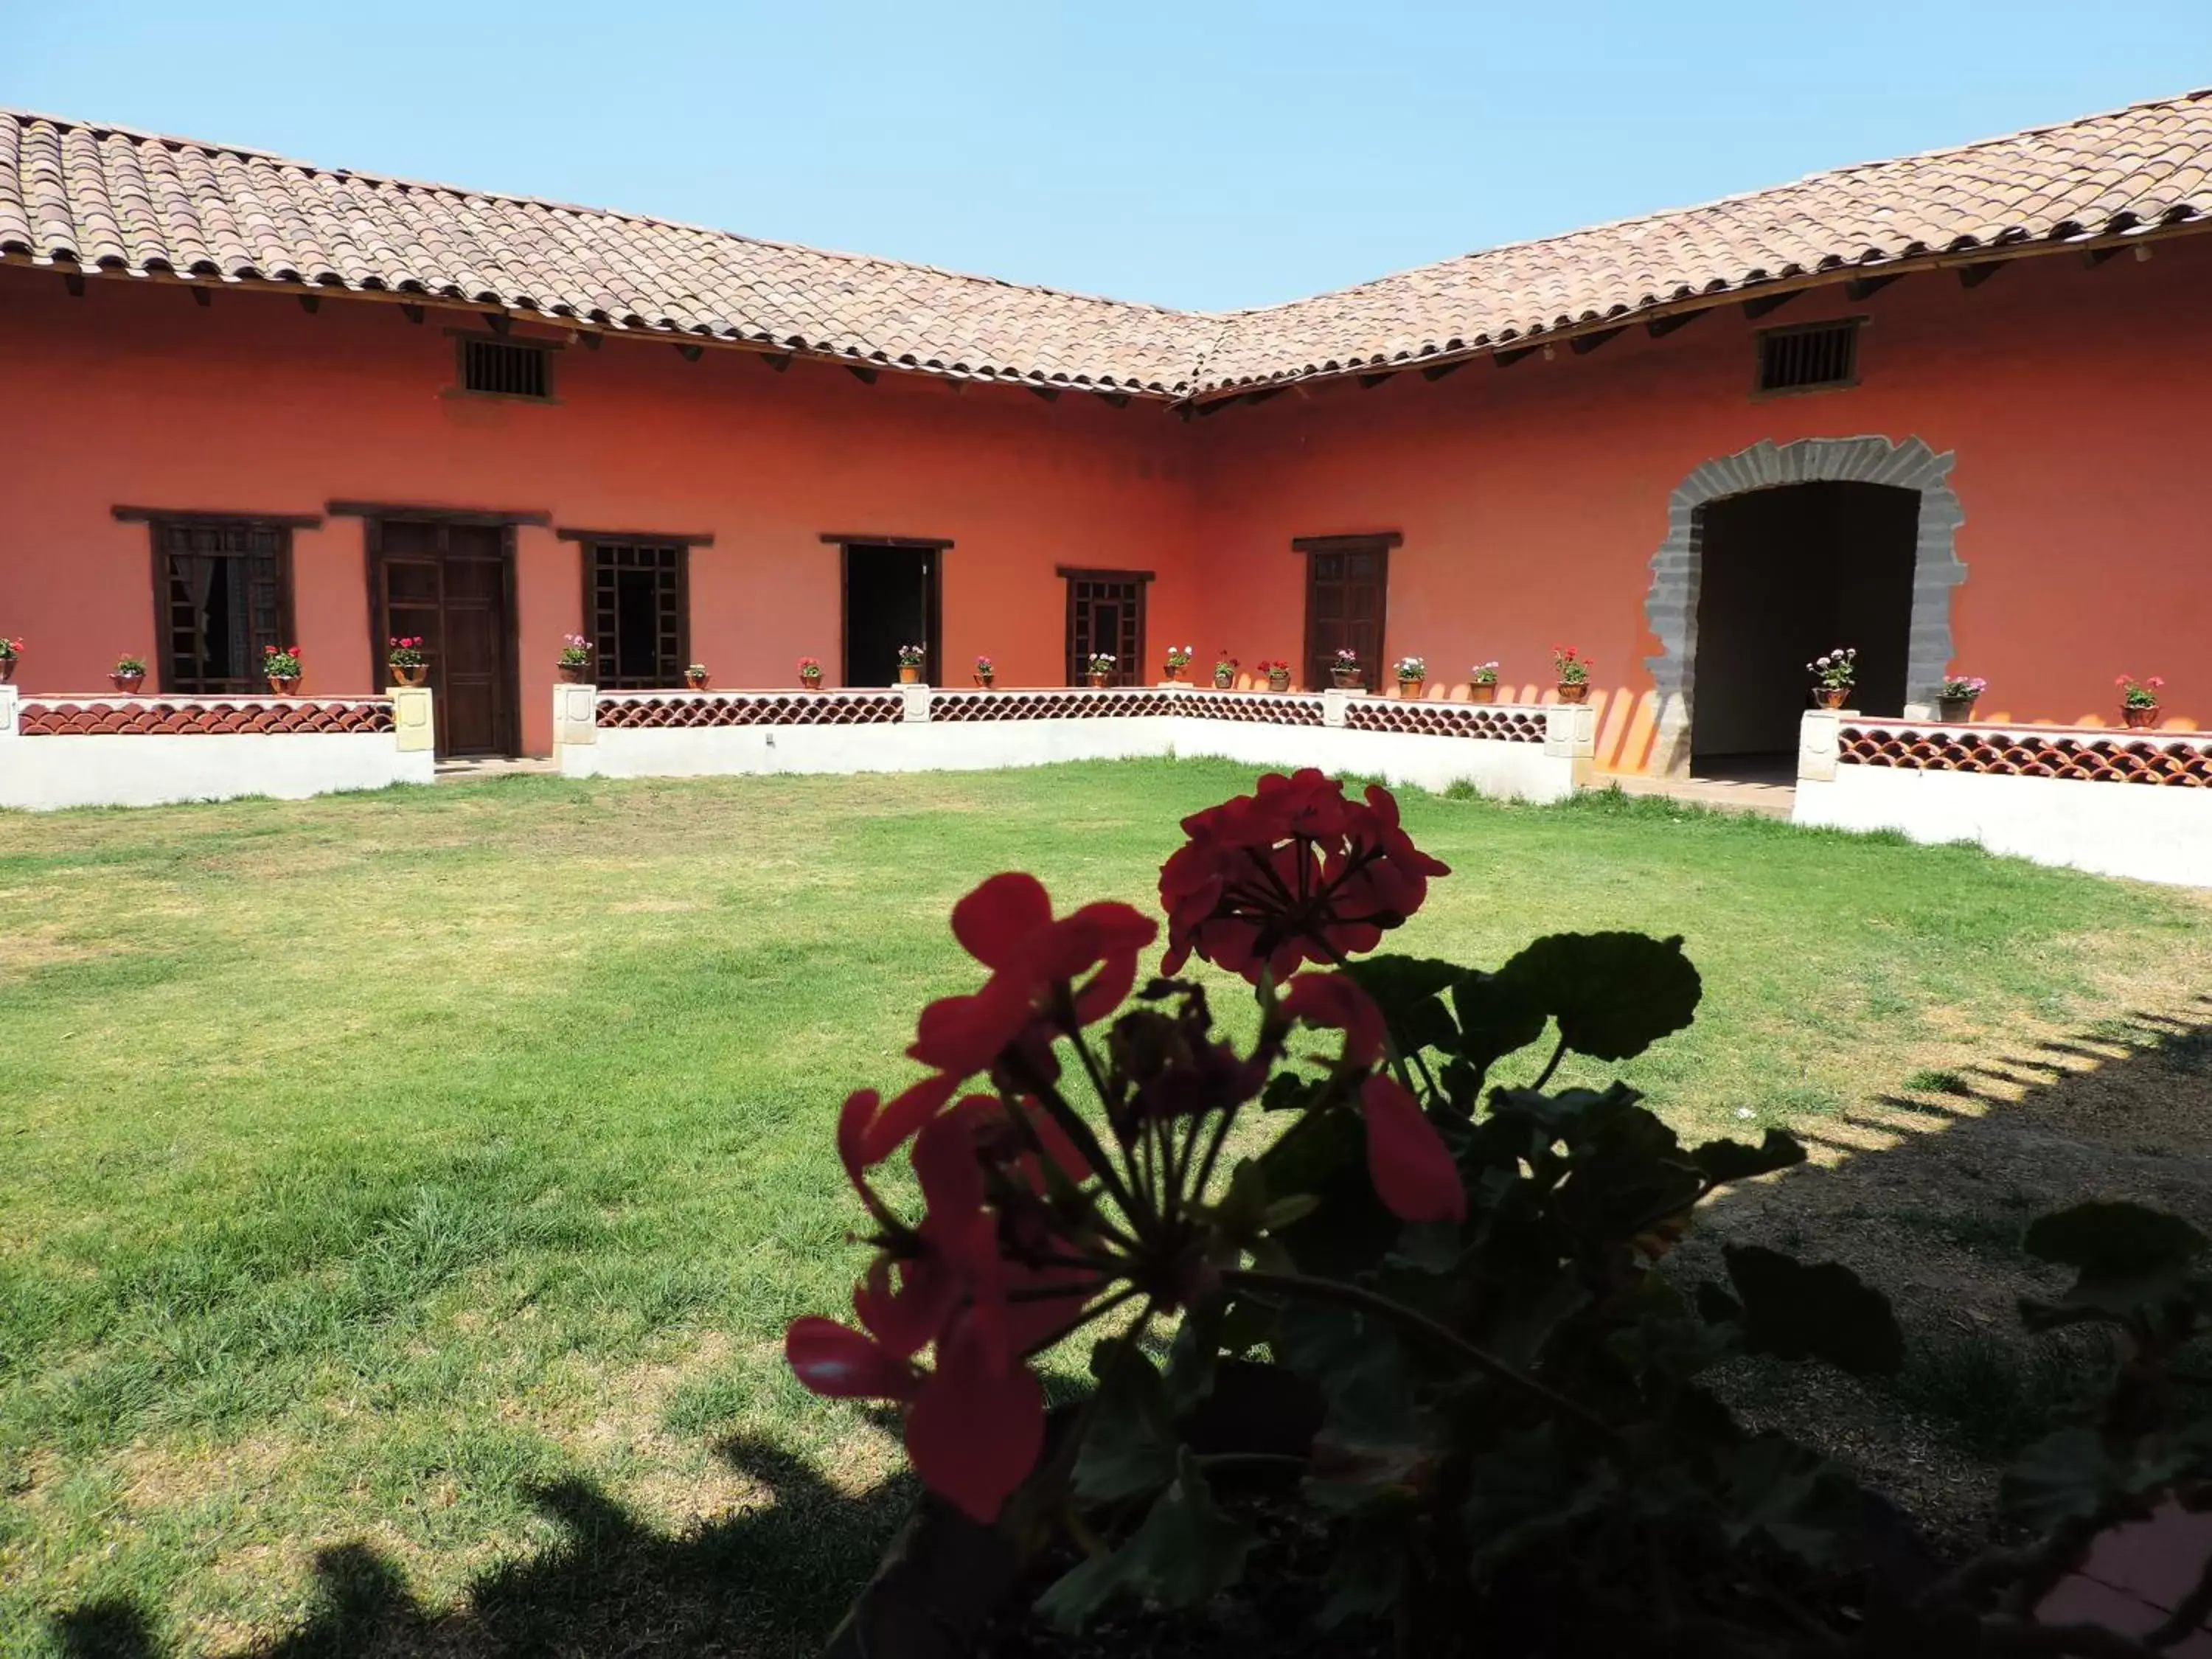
x: 1676, y: 568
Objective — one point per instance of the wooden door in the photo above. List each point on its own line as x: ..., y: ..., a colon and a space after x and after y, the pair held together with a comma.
x: 454, y: 585
x: 1345, y: 590
x: 1106, y: 612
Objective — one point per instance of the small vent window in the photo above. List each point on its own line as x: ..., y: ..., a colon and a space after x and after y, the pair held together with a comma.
x: 504, y: 368
x: 1813, y: 358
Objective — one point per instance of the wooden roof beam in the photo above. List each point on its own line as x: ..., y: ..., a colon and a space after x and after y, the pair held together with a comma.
x: 1975, y: 276
x: 1660, y: 327
x: 1758, y: 304
x: 1582, y: 344
x: 1865, y: 287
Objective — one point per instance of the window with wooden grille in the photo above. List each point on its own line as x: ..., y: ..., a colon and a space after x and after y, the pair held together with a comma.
x: 1106, y: 612
x: 1812, y: 357
x: 222, y: 593
x: 637, y: 600
x: 505, y: 369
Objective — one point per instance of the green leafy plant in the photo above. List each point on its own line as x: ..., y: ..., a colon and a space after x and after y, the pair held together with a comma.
x: 127, y: 665
x: 912, y: 656
x: 405, y: 652
x: 1483, y: 673
x: 2139, y: 694
x: 281, y: 662
x: 1838, y: 667
x: 1569, y: 666
x: 1445, y: 1272
x: 575, y: 651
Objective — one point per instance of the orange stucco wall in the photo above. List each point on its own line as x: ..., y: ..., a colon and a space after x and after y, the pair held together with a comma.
x: 134, y: 395
x: 1530, y: 500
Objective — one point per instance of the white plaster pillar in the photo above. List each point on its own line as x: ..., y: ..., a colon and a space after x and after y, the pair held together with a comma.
x: 575, y: 715
x: 1333, y: 701
x: 412, y: 721
x: 916, y: 698
x: 11, y: 702
x: 1819, y: 739
x: 1570, y: 734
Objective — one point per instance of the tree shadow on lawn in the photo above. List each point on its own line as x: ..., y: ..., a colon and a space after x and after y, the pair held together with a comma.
x: 773, y: 1580
x: 1924, y: 1191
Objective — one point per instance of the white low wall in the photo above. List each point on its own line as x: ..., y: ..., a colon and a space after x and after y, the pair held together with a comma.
x: 915, y: 742
x: 44, y: 771
x: 2151, y: 831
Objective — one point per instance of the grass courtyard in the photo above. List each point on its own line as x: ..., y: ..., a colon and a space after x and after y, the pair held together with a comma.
x: 403, y: 1195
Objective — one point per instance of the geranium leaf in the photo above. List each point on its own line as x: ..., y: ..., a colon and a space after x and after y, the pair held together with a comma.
x: 1820, y: 1312
x: 2061, y: 1476
x: 1130, y: 1445
x: 1613, y: 994
x: 1407, y: 989
x: 1359, y: 1367
x: 2108, y: 1238
x: 1187, y: 1551
x: 1496, y: 1016
x: 1071, y: 1598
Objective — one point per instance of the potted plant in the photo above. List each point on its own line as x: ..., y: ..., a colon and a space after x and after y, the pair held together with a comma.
x: 1278, y: 673
x: 695, y: 677
x: 128, y: 674
x: 1179, y: 658
x: 1412, y: 674
x: 1833, y: 675
x: 1955, y: 700
x: 911, y: 658
x: 810, y: 673
x: 282, y: 668
x: 9, y: 650
x: 1224, y: 670
x: 1572, y: 673
x: 987, y: 673
x: 1482, y: 683
x: 576, y: 658
x: 1344, y: 668
x: 2139, y: 700
x: 1099, y: 671
x: 404, y: 658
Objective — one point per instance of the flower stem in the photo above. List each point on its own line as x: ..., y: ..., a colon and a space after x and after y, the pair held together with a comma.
x: 1419, y: 1324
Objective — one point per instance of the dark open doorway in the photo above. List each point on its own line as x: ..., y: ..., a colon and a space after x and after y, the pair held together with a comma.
x: 890, y: 600
x: 1785, y: 574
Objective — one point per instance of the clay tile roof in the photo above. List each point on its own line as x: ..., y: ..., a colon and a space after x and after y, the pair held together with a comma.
x: 2135, y: 169
x: 110, y: 199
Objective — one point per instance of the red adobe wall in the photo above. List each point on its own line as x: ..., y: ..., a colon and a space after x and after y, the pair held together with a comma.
x: 132, y: 394
x: 1531, y: 499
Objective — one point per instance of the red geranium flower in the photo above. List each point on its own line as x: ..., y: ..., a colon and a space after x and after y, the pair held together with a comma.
x: 1406, y: 1159
x: 1006, y: 924
x: 1293, y: 872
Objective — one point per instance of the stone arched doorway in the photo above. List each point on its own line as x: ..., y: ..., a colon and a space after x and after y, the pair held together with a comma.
x: 1678, y: 568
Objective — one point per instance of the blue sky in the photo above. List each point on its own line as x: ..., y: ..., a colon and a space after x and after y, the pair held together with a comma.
x: 1200, y: 154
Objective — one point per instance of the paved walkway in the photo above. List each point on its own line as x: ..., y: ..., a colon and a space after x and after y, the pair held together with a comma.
x: 458, y: 770
x: 1772, y: 794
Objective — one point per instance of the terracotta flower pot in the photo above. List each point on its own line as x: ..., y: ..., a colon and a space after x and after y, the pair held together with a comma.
x: 1576, y: 693
x: 810, y: 682
x: 1831, y: 697
x: 1480, y: 693
x: 1175, y: 673
x: 695, y: 682
x: 909, y: 676
x: 1099, y: 680
x: 1410, y: 689
x: 572, y: 673
x: 408, y: 673
x: 2139, y: 719
x: 7, y: 670
x: 986, y: 681
x: 127, y: 684
x: 1279, y: 682
x: 1222, y: 679
x: 1953, y: 710
x: 1344, y: 679
x: 283, y: 684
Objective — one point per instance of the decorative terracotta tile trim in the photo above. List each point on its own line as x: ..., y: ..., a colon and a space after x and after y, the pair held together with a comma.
x: 1075, y: 703
x: 656, y: 710
x: 1446, y: 719
x: 177, y: 717
x: 2117, y: 757
x: 1260, y: 708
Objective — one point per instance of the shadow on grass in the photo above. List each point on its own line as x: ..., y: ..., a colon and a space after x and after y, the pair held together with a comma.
x: 1929, y: 1188
x: 772, y: 1581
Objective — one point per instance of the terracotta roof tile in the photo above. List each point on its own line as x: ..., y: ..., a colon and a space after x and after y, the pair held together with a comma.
x: 129, y: 202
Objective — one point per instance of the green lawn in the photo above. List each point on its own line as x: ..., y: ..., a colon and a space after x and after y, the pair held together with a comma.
x: 405, y: 1193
